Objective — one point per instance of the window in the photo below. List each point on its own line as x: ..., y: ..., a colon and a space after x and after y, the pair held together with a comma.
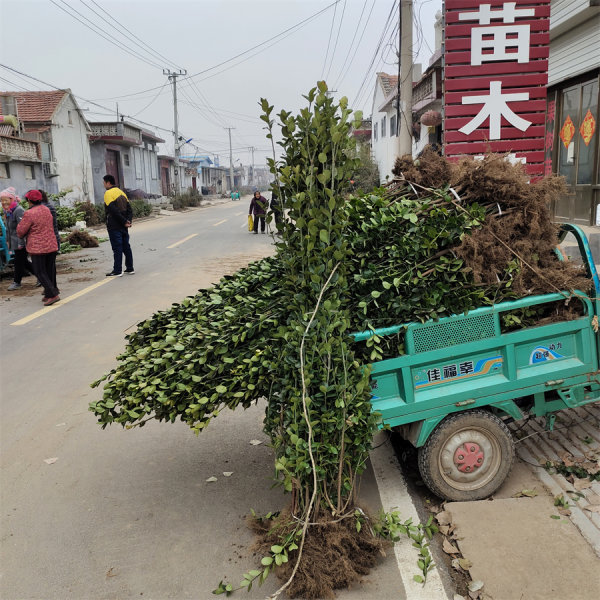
x: 4, y: 171
x: 46, y: 151
x: 383, y: 124
x: 70, y: 115
x: 29, y: 172
x: 126, y: 159
x: 375, y: 125
x: 393, y: 127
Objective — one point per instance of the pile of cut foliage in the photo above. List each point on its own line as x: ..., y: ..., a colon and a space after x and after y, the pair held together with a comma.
x: 440, y: 239
x: 417, y: 253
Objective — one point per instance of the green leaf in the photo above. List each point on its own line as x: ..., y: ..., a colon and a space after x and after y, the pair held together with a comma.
x: 266, y: 561
x: 220, y: 389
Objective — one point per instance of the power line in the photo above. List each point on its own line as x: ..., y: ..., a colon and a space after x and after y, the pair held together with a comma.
x: 336, y: 39
x: 329, y: 42
x: 340, y: 77
x: 139, y: 112
x: 387, y: 24
x: 287, y: 31
x: 103, y: 34
x: 123, y: 28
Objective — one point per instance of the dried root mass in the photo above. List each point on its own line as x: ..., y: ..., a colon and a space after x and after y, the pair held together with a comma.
x: 335, y: 555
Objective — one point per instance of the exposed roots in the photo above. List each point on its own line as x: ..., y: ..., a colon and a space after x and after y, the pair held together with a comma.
x: 518, y: 238
x: 335, y: 554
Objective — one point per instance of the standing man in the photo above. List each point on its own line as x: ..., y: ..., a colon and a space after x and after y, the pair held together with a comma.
x: 118, y: 221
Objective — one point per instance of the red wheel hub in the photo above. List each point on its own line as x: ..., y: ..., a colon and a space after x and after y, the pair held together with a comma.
x: 468, y: 457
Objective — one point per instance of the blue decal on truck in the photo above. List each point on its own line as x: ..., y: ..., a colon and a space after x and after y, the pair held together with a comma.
x: 542, y: 354
x: 457, y: 371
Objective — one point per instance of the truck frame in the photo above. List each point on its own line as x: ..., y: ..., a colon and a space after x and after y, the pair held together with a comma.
x: 463, y: 377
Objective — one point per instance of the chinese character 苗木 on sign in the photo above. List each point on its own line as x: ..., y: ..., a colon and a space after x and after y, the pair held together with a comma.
x: 495, y: 77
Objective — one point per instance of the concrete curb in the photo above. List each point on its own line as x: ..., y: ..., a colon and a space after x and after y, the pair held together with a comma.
x: 394, y: 496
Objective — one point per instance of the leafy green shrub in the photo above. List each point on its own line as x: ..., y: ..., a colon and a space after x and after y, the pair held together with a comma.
x: 67, y: 247
x: 140, y: 208
x: 67, y: 217
x: 92, y: 213
x: 186, y: 200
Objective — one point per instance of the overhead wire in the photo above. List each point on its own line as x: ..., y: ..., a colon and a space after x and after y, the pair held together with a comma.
x: 346, y: 65
x: 285, y: 33
x: 139, y: 112
x: 375, y: 54
x: 336, y: 40
x: 329, y: 42
x: 123, y: 28
x: 103, y: 34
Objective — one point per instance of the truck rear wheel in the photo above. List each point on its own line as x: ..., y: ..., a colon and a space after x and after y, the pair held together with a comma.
x: 467, y: 457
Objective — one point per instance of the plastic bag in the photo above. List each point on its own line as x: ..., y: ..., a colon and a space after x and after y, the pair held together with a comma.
x: 250, y: 223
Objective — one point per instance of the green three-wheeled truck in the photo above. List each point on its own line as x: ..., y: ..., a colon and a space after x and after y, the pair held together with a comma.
x: 464, y: 376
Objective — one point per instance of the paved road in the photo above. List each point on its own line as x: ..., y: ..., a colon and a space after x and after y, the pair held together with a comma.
x: 124, y: 514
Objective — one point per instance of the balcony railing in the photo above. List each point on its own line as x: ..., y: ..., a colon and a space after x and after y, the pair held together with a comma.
x: 18, y: 148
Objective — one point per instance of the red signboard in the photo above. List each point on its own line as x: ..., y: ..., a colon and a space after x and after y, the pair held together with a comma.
x: 495, y: 77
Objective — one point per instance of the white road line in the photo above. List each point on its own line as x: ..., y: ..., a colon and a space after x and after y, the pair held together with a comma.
x: 220, y: 222
x: 185, y: 239
x: 394, y: 496
x: 239, y: 214
x: 63, y: 301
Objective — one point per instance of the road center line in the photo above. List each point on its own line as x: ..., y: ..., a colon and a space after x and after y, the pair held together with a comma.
x: 47, y: 309
x: 185, y: 239
x: 220, y: 222
x: 239, y: 214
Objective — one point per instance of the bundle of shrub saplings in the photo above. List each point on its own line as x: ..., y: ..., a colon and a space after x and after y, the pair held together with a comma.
x: 440, y: 239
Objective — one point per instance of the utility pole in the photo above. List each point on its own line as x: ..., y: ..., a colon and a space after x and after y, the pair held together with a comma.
x: 173, y: 75
x: 252, y: 150
x: 405, y: 77
x: 230, y: 158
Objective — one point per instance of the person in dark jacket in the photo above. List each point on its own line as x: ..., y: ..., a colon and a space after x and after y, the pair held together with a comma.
x: 36, y: 225
x: 14, y: 212
x: 258, y: 207
x: 118, y: 222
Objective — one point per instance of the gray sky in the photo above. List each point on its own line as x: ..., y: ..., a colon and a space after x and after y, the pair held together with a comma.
x: 345, y: 45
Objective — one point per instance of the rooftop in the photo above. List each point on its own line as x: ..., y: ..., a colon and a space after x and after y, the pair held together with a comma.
x: 36, y: 107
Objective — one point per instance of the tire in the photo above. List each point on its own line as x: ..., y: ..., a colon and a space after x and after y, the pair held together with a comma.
x: 467, y: 457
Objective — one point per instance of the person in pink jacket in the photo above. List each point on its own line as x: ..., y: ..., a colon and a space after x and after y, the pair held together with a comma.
x: 37, y: 226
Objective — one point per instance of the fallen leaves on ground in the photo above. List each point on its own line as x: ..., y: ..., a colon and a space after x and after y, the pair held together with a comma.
x: 582, y: 484
x: 227, y: 473
x: 50, y: 461
x: 449, y: 548
x: 526, y: 493
x: 255, y: 442
x: 444, y: 518
x: 211, y: 480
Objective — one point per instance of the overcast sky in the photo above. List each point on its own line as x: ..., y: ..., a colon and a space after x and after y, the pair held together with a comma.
x: 346, y: 44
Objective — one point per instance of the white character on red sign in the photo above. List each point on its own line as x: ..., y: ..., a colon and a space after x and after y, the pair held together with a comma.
x: 495, y: 107
x: 496, y: 37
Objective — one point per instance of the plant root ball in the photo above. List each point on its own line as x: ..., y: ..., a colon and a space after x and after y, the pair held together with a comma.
x: 335, y: 555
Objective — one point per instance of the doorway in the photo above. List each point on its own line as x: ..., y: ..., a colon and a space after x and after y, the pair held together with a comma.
x: 576, y: 151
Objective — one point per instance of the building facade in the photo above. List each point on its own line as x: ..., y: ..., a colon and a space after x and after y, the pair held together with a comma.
x: 572, y: 145
x: 128, y: 153
x: 53, y: 120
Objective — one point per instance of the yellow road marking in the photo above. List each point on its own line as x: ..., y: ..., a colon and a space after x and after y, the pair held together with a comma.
x: 220, y: 222
x: 185, y: 239
x: 47, y: 309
